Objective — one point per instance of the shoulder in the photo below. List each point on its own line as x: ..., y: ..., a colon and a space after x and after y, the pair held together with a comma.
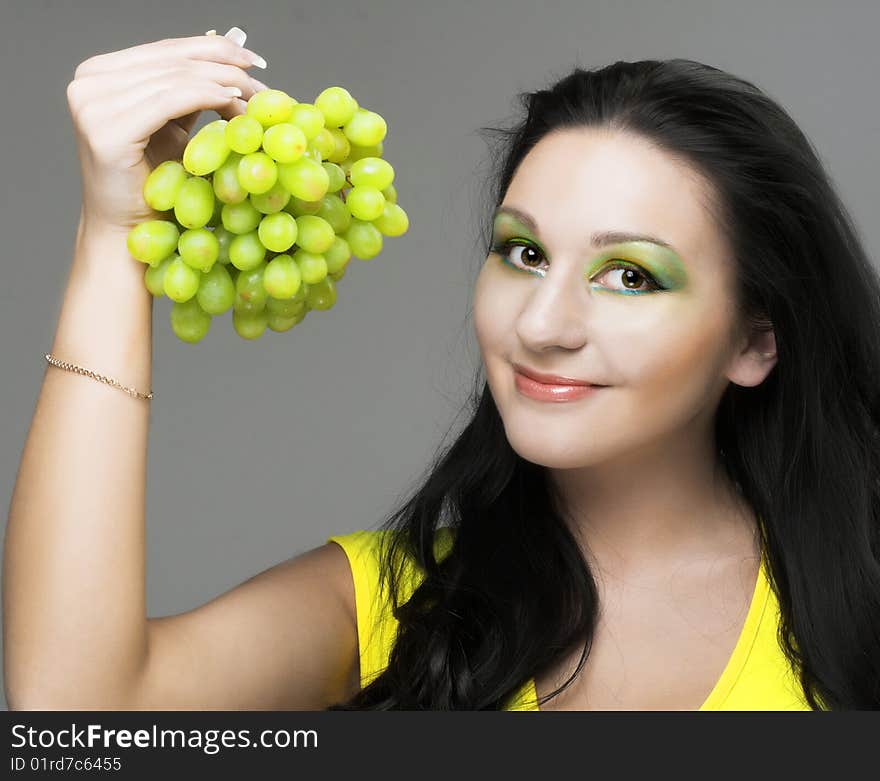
x: 364, y: 547
x: 365, y: 552
x: 368, y: 602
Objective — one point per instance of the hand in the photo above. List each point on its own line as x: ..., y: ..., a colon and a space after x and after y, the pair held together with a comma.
x: 134, y: 108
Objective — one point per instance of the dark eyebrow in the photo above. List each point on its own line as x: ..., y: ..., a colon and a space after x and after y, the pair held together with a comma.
x: 599, y: 239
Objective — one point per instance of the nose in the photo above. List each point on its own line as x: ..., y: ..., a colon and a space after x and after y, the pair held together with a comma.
x: 555, y: 312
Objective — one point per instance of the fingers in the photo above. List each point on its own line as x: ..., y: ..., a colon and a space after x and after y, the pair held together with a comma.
x: 171, y: 100
x: 120, y: 99
x: 129, y: 89
x: 216, y: 48
x: 158, y: 91
x: 236, y: 106
x: 235, y: 34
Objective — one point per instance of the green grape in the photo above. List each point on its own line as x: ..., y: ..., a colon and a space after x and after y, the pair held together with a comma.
x: 325, y: 143
x: 313, y: 153
x: 181, y: 281
x: 250, y: 287
x: 364, y: 239
x: 365, y: 128
x: 212, y: 127
x: 301, y: 293
x: 336, y: 176
x: 304, y: 178
x: 244, y: 134
x: 240, y: 217
x: 312, y: 267
x: 282, y: 277
x: 207, y: 150
x: 390, y: 193
x: 338, y: 255
x: 278, y: 231
x: 337, y: 105
x: 194, y: 204
x: 154, y: 276
x: 198, y: 248
x: 152, y: 241
x: 250, y: 325
x: 189, y: 321
x: 257, y: 172
x: 162, y: 185
x: 365, y: 203
x: 281, y: 324
x: 271, y: 201
x: 359, y: 152
x: 224, y: 237
x: 322, y: 295
x: 314, y: 234
x: 336, y: 275
x: 393, y: 221
x: 309, y: 119
x: 285, y: 307
x: 284, y: 142
x: 216, y: 291
x: 227, y: 188
x: 270, y: 106
x: 246, y: 251
x: 335, y: 212
x: 247, y: 307
x: 297, y: 206
x: 372, y: 172
x: 341, y: 145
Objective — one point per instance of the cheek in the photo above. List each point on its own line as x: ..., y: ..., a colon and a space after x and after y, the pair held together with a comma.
x: 493, y: 311
x: 669, y: 348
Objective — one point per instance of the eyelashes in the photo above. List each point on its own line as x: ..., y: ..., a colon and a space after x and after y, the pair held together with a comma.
x: 504, y: 248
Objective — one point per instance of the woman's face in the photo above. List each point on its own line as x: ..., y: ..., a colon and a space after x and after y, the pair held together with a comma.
x: 563, y: 305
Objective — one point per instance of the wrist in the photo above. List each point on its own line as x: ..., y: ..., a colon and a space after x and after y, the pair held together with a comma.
x: 94, y: 227
x: 101, y: 256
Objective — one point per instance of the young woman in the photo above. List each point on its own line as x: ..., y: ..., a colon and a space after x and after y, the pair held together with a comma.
x: 668, y: 492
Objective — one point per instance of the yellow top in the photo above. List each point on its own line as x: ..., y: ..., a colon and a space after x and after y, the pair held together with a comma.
x: 757, y: 675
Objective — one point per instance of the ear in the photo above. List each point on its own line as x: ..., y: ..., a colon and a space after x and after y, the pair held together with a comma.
x: 754, y: 357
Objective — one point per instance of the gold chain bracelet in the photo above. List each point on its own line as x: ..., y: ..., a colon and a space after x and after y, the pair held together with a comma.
x: 109, y: 380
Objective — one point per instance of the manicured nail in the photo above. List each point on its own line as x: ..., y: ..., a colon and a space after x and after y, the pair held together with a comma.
x: 211, y: 32
x: 233, y: 92
x: 256, y: 59
x: 258, y: 85
x: 236, y: 35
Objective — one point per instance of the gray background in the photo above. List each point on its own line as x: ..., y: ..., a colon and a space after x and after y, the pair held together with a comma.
x: 260, y: 450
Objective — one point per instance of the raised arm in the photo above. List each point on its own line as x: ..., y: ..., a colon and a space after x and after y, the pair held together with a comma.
x: 75, y: 630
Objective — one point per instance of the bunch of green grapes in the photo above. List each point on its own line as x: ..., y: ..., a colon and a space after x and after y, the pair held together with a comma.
x: 264, y: 212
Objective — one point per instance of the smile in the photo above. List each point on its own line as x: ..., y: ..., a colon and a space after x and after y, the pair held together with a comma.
x: 547, y: 392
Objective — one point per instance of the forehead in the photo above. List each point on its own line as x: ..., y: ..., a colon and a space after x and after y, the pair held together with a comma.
x: 578, y: 180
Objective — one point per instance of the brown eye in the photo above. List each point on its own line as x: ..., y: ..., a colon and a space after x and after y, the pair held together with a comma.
x: 632, y: 277
x: 528, y: 259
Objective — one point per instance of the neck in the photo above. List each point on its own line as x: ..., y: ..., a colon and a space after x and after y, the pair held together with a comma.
x: 646, y: 511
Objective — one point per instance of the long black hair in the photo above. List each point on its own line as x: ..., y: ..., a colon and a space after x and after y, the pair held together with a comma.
x: 514, y: 595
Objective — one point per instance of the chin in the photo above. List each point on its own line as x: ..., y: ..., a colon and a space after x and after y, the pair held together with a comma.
x: 553, y: 452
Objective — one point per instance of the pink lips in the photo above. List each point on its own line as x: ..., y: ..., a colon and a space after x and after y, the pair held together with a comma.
x: 562, y: 389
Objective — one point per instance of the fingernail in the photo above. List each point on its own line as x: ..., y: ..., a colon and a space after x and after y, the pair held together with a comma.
x: 258, y: 84
x: 211, y: 32
x: 233, y: 92
x: 256, y: 59
x: 236, y: 35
